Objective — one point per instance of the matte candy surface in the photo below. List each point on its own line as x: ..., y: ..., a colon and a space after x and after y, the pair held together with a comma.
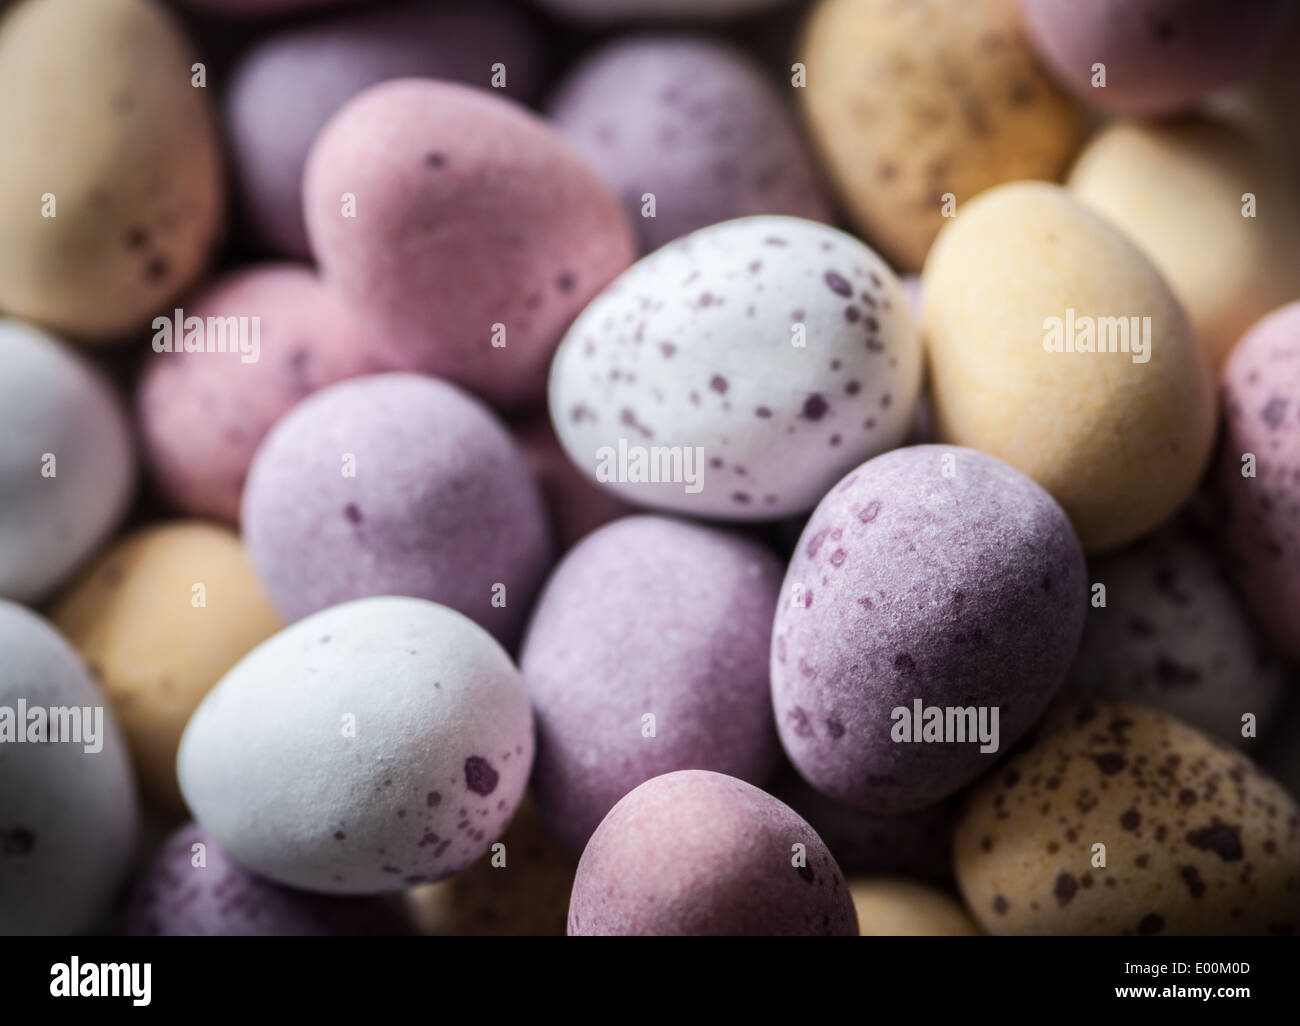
x: 903, y: 908
x: 699, y: 853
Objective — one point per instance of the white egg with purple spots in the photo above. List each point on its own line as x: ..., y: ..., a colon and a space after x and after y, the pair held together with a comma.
x: 739, y: 371
x: 370, y: 747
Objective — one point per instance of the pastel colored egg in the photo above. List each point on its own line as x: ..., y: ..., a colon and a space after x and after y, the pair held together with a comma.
x: 917, y: 107
x: 740, y: 371
x: 1195, y: 838
x: 1170, y: 188
x: 576, y: 505
x: 112, y: 192
x: 903, y: 908
x: 192, y: 888
x: 286, y: 86
x: 465, y: 229
x: 373, y: 746
x: 692, y: 126
x: 395, y: 484
x: 631, y: 10
x: 195, y: 579
x: 1259, y: 473
x: 521, y: 891
x: 919, y: 579
x: 647, y: 653
x: 68, y: 814
x: 1057, y: 347
x: 696, y: 853
x: 1157, y: 56
x: 1173, y: 635
x: 203, y: 414
x: 67, y: 462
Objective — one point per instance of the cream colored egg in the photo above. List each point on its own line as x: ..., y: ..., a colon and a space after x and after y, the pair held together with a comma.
x: 912, y: 103
x: 1209, y: 208
x: 111, y: 195
x: 894, y: 907
x: 158, y: 620
x: 1020, y: 295
x: 1122, y: 820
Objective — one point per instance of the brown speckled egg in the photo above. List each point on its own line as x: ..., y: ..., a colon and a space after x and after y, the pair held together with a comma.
x: 1197, y: 839
x: 910, y: 101
x: 891, y: 907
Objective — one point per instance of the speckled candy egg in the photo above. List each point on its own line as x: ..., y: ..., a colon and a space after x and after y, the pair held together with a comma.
x: 1170, y: 187
x: 395, y: 484
x: 696, y: 853
x: 202, y: 415
x: 376, y: 745
x: 632, y: 10
x: 1174, y: 635
x: 911, y: 102
x: 903, y: 908
x: 287, y: 85
x: 68, y: 816
x: 1259, y: 472
x: 647, y: 653
x: 1197, y: 840
x: 195, y: 579
x: 1019, y: 293
x: 112, y: 183
x: 192, y: 888
x: 693, y: 123
x: 738, y: 372
x: 464, y: 228
x: 1159, y: 56
x: 919, y: 579
x: 67, y: 465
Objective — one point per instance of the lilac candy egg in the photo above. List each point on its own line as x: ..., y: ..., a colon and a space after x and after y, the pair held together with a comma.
x: 203, y: 414
x: 920, y: 579
x: 192, y: 888
x: 696, y: 853
x: 287, y: 85
x: 691, y: 126
x: 647, y: 653
x: 373, y: 746
x: 1159, y: 56
x: 1259, y: 473
x: 395, y: 484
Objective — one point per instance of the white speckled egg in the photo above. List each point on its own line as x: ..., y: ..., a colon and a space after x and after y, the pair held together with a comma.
x: 68, y: 814
x: 370, y: 747
x: 740, y: 371
x: 66, y: 462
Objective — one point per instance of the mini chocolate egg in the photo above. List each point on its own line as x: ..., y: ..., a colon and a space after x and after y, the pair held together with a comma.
x: 632, y: 10
x: 67, y: 462
x: 919, y: 579
x: 647, y: 653
x: 1259, y: 473
x: 1172, y: 634
x: 373, y: 746
x: 520, y: 890
x: 1151, y: 57
x: 286, y: 86
x: 903, y: 908
x: 112, y: 192
x: 575, y: 504
x: 396, y: 484
x: 918, y: 106
x: 1056, y: 346
x: 194, y: 578
x: 695, y: 853
x: 68, y: 813
x: 203, y: 414
x: 1119, y: 819
x: 464, y: 228
x: 1169, y: 188
x: 192, y: 888
x: 688, y: 132
x: 739, y: 371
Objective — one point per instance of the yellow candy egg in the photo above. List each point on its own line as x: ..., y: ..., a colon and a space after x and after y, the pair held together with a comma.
x: 894, y: 907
